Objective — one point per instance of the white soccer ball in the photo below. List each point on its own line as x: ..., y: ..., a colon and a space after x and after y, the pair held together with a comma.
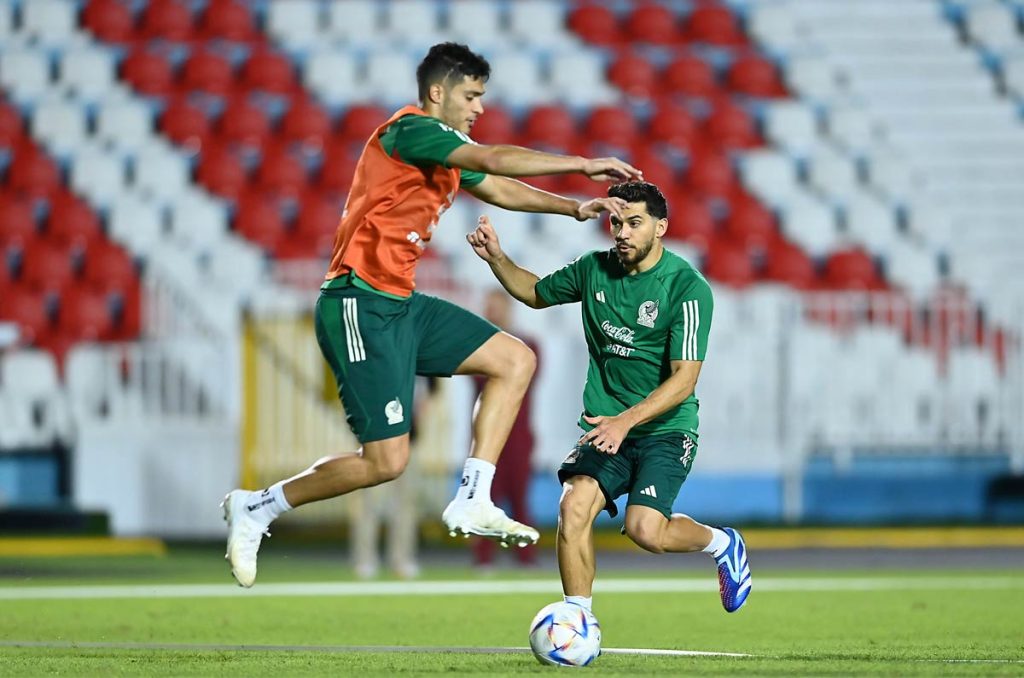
x: 565, y: 634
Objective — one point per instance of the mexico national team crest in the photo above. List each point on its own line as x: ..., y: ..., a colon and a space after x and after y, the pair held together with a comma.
x: 647, y: 313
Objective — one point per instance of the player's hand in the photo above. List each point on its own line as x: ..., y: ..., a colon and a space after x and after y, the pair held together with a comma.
x: 484, y: 241
x: 611, y: 169
x: 607, y: 434
x: 592, y: 209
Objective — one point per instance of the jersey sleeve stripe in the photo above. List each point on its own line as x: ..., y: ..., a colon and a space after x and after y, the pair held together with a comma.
x: 687, y: 322
x: 696, y: 325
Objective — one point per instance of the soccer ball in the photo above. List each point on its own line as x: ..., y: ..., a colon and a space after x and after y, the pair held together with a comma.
x: 565, y: 634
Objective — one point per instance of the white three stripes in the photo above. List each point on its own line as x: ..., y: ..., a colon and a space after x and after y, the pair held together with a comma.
x: 691, y: 321
x: 353, y: 338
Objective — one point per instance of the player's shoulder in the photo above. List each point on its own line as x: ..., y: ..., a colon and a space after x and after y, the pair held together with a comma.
x: 683, y: 276
x: 426, y: 124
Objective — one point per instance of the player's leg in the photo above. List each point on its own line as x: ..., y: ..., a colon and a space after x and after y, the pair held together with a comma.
x: 581, y: 502
x: 367, y: 340
x: 663, y: 462
x: 454, y: 341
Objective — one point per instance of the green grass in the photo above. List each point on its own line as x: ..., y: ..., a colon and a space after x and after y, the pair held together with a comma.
x: 890, y: 632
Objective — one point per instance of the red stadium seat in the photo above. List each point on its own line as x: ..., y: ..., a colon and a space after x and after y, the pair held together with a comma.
x: 148, y: 72
x: 596, y: 24
x: 690, y: 76
x: 185, y: 124
x: 46, y: 266
x: 729, y: 264
x: 17, y: 222
x: 306, y: 123
x: 731, y: 127
x: 550, y: 126
x: 495, y: 126
x: 228, y: 20
x: 359, y: 122
x: 109, y: 20
x: 222, y: 172
x: 336, y: 172
x: 714, y: 25
x: 72, y: 221
x: 207, y: 72
x: 11, y: 128
x: 673, y: 126
x: 755, y: 76
x: 656, y: 170
x: 28, y: 310
x: 167, y: 20
x: 281, y: 173
x: 268, y: 71
x: 652, y: 23
x: 851, y: 269
x: 85, y: 314
x: 635, y: 76
x: 790, y: 265
x: 259, y: 220
x: 689, y: 219
x: 244, y: 123
x: 711, y: 175
x: 613, y: 126
x: 750, y: 224
x: 108, y: 267
x: 32, y: 172
x: 319, y: 214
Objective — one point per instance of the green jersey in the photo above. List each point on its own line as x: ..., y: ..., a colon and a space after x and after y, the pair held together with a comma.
x: 424, y: 141
x: 635, y: 326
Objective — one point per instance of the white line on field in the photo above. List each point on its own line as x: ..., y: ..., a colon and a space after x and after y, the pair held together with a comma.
x: 191, y: 647
x: 552, y: 586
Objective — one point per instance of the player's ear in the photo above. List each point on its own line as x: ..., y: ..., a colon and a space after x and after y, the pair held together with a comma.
x: 660, y: 227
x: 435, y: 93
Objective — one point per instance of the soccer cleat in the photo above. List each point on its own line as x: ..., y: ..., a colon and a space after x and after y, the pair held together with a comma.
x: 244, y: 536
x: 484, y: 519
x: 733, y: 572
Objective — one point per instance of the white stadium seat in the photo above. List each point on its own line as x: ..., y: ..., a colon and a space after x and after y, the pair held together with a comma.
x: 334, y: 77
x: 87, y: 73
x: 810, y: 224
x: 160, y: 172
x: 852, y: 128
x: 198, y: 219
x: 413, y: 24
x: 98, y: 174
x: 539, y: 22
x: 25, y: 73
x: 770, y: 175
x: 50, y: 22
x: 36, y: 407
x: 60, y: 124
x: 136, y: 223
x: 126, y: 125
x: 792, y: 126
x: 870, y: 223
x: 578, y: 77
x: 993, y: 25
x: 296, y: 23
x: 517, y: 79
x: 476, y: 22
x: 356, y: 22
x: 832, y: 174
x: 391, y: 76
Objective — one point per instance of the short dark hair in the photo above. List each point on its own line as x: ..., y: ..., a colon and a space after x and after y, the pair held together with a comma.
x: 450, y: 61
x: 642, y: 191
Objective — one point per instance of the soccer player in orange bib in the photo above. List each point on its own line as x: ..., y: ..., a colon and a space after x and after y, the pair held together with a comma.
x: 377, y: 333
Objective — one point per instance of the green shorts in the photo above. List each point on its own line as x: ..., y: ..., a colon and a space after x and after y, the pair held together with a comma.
x: 651, y: 469
x: 376, y: 346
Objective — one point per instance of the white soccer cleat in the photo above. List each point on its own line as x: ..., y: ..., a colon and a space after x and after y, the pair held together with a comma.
x: 244, y: 536
x: 484, y: 519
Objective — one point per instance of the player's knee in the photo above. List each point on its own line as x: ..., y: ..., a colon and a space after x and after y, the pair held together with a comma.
x: 522, y: 363
x: 573, y: 515
x: 388, y: 467
x: 646, y: 534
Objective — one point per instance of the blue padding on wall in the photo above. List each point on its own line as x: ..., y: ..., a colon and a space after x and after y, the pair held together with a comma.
x: 27, y: 480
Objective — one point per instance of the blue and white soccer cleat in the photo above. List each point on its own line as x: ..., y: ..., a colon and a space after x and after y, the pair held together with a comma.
x: 733, y: 572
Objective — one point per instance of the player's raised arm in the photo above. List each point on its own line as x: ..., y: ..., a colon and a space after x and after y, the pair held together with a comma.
x: 516, y: 161
x: 518, y: 281
x: 511, y: 194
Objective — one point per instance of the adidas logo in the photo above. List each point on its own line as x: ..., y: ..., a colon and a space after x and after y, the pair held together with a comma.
x: 650, y: 491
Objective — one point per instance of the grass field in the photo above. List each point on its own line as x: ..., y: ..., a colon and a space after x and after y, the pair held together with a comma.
x: 180, y: 615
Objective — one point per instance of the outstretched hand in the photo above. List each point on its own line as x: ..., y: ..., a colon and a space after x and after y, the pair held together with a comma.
x: 484, y: 240
x: 611, y: 169
x: 607, y: 434
x: 592, y: 209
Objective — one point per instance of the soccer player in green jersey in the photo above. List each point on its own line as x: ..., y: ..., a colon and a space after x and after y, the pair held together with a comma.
x: 646, y: 317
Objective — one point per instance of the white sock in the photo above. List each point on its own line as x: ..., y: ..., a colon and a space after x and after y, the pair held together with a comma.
x: 476, y: 480
x: 583, y: 601
x: 267, y: 505
x: 718, y: 544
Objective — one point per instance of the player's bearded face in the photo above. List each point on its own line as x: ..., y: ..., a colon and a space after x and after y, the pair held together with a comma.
x: 634, y: 235
x: 461, y: 105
